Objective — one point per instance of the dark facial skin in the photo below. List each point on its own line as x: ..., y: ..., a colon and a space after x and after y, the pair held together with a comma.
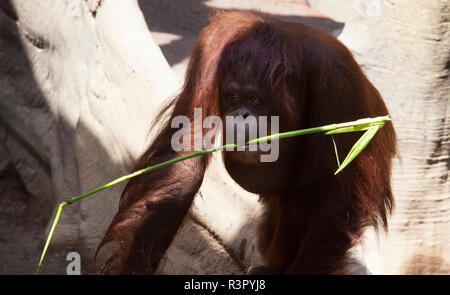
x: 240, y: 96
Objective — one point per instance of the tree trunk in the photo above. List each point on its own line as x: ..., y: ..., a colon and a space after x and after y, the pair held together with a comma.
x: 403, y: 46
x: 80, y: 82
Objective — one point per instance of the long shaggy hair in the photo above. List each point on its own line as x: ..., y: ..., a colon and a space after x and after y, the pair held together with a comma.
x: 313, y: 80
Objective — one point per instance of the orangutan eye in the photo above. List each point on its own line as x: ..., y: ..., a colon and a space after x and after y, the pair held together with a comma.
x: 232, y: 96
x: 253, y: 99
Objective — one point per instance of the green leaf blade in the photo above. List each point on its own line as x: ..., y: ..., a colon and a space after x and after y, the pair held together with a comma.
x: 359, y: 146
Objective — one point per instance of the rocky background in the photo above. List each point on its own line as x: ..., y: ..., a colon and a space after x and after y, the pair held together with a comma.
x: 80, y: 81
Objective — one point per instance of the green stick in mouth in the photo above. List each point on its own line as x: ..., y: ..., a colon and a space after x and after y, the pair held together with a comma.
x: 369, y: 125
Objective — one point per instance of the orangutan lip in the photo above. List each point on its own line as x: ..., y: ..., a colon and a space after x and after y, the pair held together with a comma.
x: 245, y: 156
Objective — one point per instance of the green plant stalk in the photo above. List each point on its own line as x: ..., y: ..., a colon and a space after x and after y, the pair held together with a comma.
x: 370, y: 125
x: 359, y: 146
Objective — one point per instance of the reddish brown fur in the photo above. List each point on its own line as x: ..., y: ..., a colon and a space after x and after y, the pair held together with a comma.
x: 314, y: 80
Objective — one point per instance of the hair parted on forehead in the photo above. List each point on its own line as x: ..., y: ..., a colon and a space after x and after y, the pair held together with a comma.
x: 237, y: 40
